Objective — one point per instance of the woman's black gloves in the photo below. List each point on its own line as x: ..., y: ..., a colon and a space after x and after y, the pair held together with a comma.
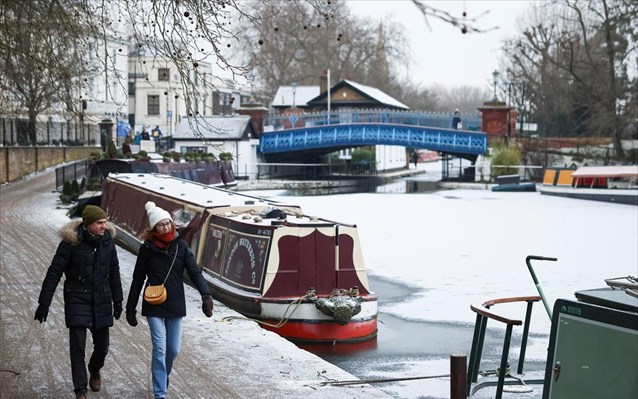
x: 207, y: 305
x: 130, y: 318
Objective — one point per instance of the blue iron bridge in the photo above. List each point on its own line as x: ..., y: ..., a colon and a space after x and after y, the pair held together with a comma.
x: 301, y: 135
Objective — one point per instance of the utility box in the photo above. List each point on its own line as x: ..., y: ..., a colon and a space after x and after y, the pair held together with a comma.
x: 593, y: 347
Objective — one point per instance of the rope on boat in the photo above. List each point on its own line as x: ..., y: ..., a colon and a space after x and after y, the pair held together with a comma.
x: 630, y: 282
x: 284, y: 319
x: 630, y: 286
x: 523, y: 388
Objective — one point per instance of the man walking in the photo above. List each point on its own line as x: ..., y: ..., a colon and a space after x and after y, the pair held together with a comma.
x: 92, y: 292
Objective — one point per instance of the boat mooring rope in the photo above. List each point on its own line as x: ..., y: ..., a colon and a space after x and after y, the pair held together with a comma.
x: 284, y: 319
x: 380, y: 380
x: 521, y: 389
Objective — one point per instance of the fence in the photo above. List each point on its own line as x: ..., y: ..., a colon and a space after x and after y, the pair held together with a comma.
x: 412, y: 118
x: 74, y: 171
x: 290, y: 171
x: 54, y: 131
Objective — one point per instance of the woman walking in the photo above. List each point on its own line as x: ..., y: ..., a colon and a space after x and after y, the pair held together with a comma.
x: 162, y: 259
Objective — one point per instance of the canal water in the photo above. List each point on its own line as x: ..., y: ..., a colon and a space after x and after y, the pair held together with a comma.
x: 430, y: 254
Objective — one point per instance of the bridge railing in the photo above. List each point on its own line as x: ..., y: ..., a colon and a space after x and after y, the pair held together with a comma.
x: 276, y: 122
x: 296, y: 171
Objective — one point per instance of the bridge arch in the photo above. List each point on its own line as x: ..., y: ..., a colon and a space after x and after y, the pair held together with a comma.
x: 299, y: 143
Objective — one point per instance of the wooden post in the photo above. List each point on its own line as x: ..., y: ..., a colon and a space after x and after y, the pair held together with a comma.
x: 458, y: 377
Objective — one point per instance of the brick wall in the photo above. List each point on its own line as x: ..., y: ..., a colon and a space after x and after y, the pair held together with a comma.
x: 17, y: 162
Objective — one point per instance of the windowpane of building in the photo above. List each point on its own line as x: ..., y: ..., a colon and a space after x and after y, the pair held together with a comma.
x: 163, y: 74
x: 198, y: 150
x: 153, y: 105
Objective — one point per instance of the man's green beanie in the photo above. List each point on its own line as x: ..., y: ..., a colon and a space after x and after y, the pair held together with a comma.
x: 92, y: 214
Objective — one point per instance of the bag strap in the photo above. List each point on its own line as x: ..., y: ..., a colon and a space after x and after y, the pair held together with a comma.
x: 172, y: 263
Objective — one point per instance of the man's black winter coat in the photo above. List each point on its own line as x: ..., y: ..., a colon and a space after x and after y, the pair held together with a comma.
x: 92, y: 277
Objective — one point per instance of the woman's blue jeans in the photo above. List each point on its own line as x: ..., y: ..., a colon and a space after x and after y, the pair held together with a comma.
x: 166, y: 338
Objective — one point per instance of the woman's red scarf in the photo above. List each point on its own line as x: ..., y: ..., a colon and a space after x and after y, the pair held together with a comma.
x: 163, y: 240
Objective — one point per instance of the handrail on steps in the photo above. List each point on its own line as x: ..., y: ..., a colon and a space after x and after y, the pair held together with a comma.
x: 483, y: 313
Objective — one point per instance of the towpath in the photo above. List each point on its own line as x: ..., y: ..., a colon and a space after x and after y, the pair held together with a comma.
x: 219, y: 359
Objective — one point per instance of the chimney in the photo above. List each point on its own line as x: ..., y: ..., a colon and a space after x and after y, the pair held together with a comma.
x: 257, y: 113
x: 323, y: 81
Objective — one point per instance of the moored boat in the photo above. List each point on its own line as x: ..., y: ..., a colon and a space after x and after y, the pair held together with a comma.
x: 592, y: 350
x: 515, y: 187
x: 298, y: 275
x: 512, y: 183
x: 618, y: 184
x: 214, y: 173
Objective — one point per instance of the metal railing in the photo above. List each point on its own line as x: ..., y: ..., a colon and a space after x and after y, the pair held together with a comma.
x: 69, y: 172
x: 318, y: 171
x: 483, y: 313
x: 276, y: 122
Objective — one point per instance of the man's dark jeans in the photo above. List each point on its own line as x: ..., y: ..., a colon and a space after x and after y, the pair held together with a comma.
x: 77, y: 347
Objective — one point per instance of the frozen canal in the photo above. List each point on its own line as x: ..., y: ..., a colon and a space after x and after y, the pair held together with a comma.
x: 432, y: 254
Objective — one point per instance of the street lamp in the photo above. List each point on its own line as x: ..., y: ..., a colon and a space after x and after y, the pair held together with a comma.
x: 294, y: 93
x: 509, y: 109
x: 495, y: 80
x: 522, y: 110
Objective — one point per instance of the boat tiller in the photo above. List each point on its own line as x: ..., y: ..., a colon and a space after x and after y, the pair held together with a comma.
x: 528, y: 260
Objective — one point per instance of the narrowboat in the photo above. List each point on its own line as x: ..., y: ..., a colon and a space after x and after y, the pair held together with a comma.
x: 215, y: 173
x: 618, y: 184
x: 296, y: 274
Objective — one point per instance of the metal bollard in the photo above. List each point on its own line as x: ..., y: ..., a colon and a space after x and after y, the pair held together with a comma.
x: 458, y: 377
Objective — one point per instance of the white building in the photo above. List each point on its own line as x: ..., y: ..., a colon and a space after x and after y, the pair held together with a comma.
x: 105, y: 101
x: 160, y: 96
x: 215, y: 134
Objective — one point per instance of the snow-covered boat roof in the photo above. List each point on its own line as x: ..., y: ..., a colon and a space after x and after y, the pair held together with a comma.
x: 226, y: 203
x: 194, y: 193
x: 607, y: 171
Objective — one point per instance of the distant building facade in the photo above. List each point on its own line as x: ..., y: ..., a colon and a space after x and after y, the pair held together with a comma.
x: 215, y: 134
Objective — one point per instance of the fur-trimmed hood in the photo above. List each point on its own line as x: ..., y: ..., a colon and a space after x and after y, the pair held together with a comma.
x: 69, y: 232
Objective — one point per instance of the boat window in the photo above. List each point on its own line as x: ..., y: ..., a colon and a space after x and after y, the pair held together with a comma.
x: 182, y: 217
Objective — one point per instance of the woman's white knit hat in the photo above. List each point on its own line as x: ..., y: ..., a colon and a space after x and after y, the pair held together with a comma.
x: 156, y: 214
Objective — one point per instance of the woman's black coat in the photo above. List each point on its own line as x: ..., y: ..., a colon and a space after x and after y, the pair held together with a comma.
x: 153, y: 265
x: 92, y: 277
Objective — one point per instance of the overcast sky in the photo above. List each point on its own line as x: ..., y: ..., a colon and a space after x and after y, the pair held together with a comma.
x: 441, y: 53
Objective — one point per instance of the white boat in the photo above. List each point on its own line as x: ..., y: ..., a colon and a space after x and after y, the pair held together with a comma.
x: 618, y: 184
